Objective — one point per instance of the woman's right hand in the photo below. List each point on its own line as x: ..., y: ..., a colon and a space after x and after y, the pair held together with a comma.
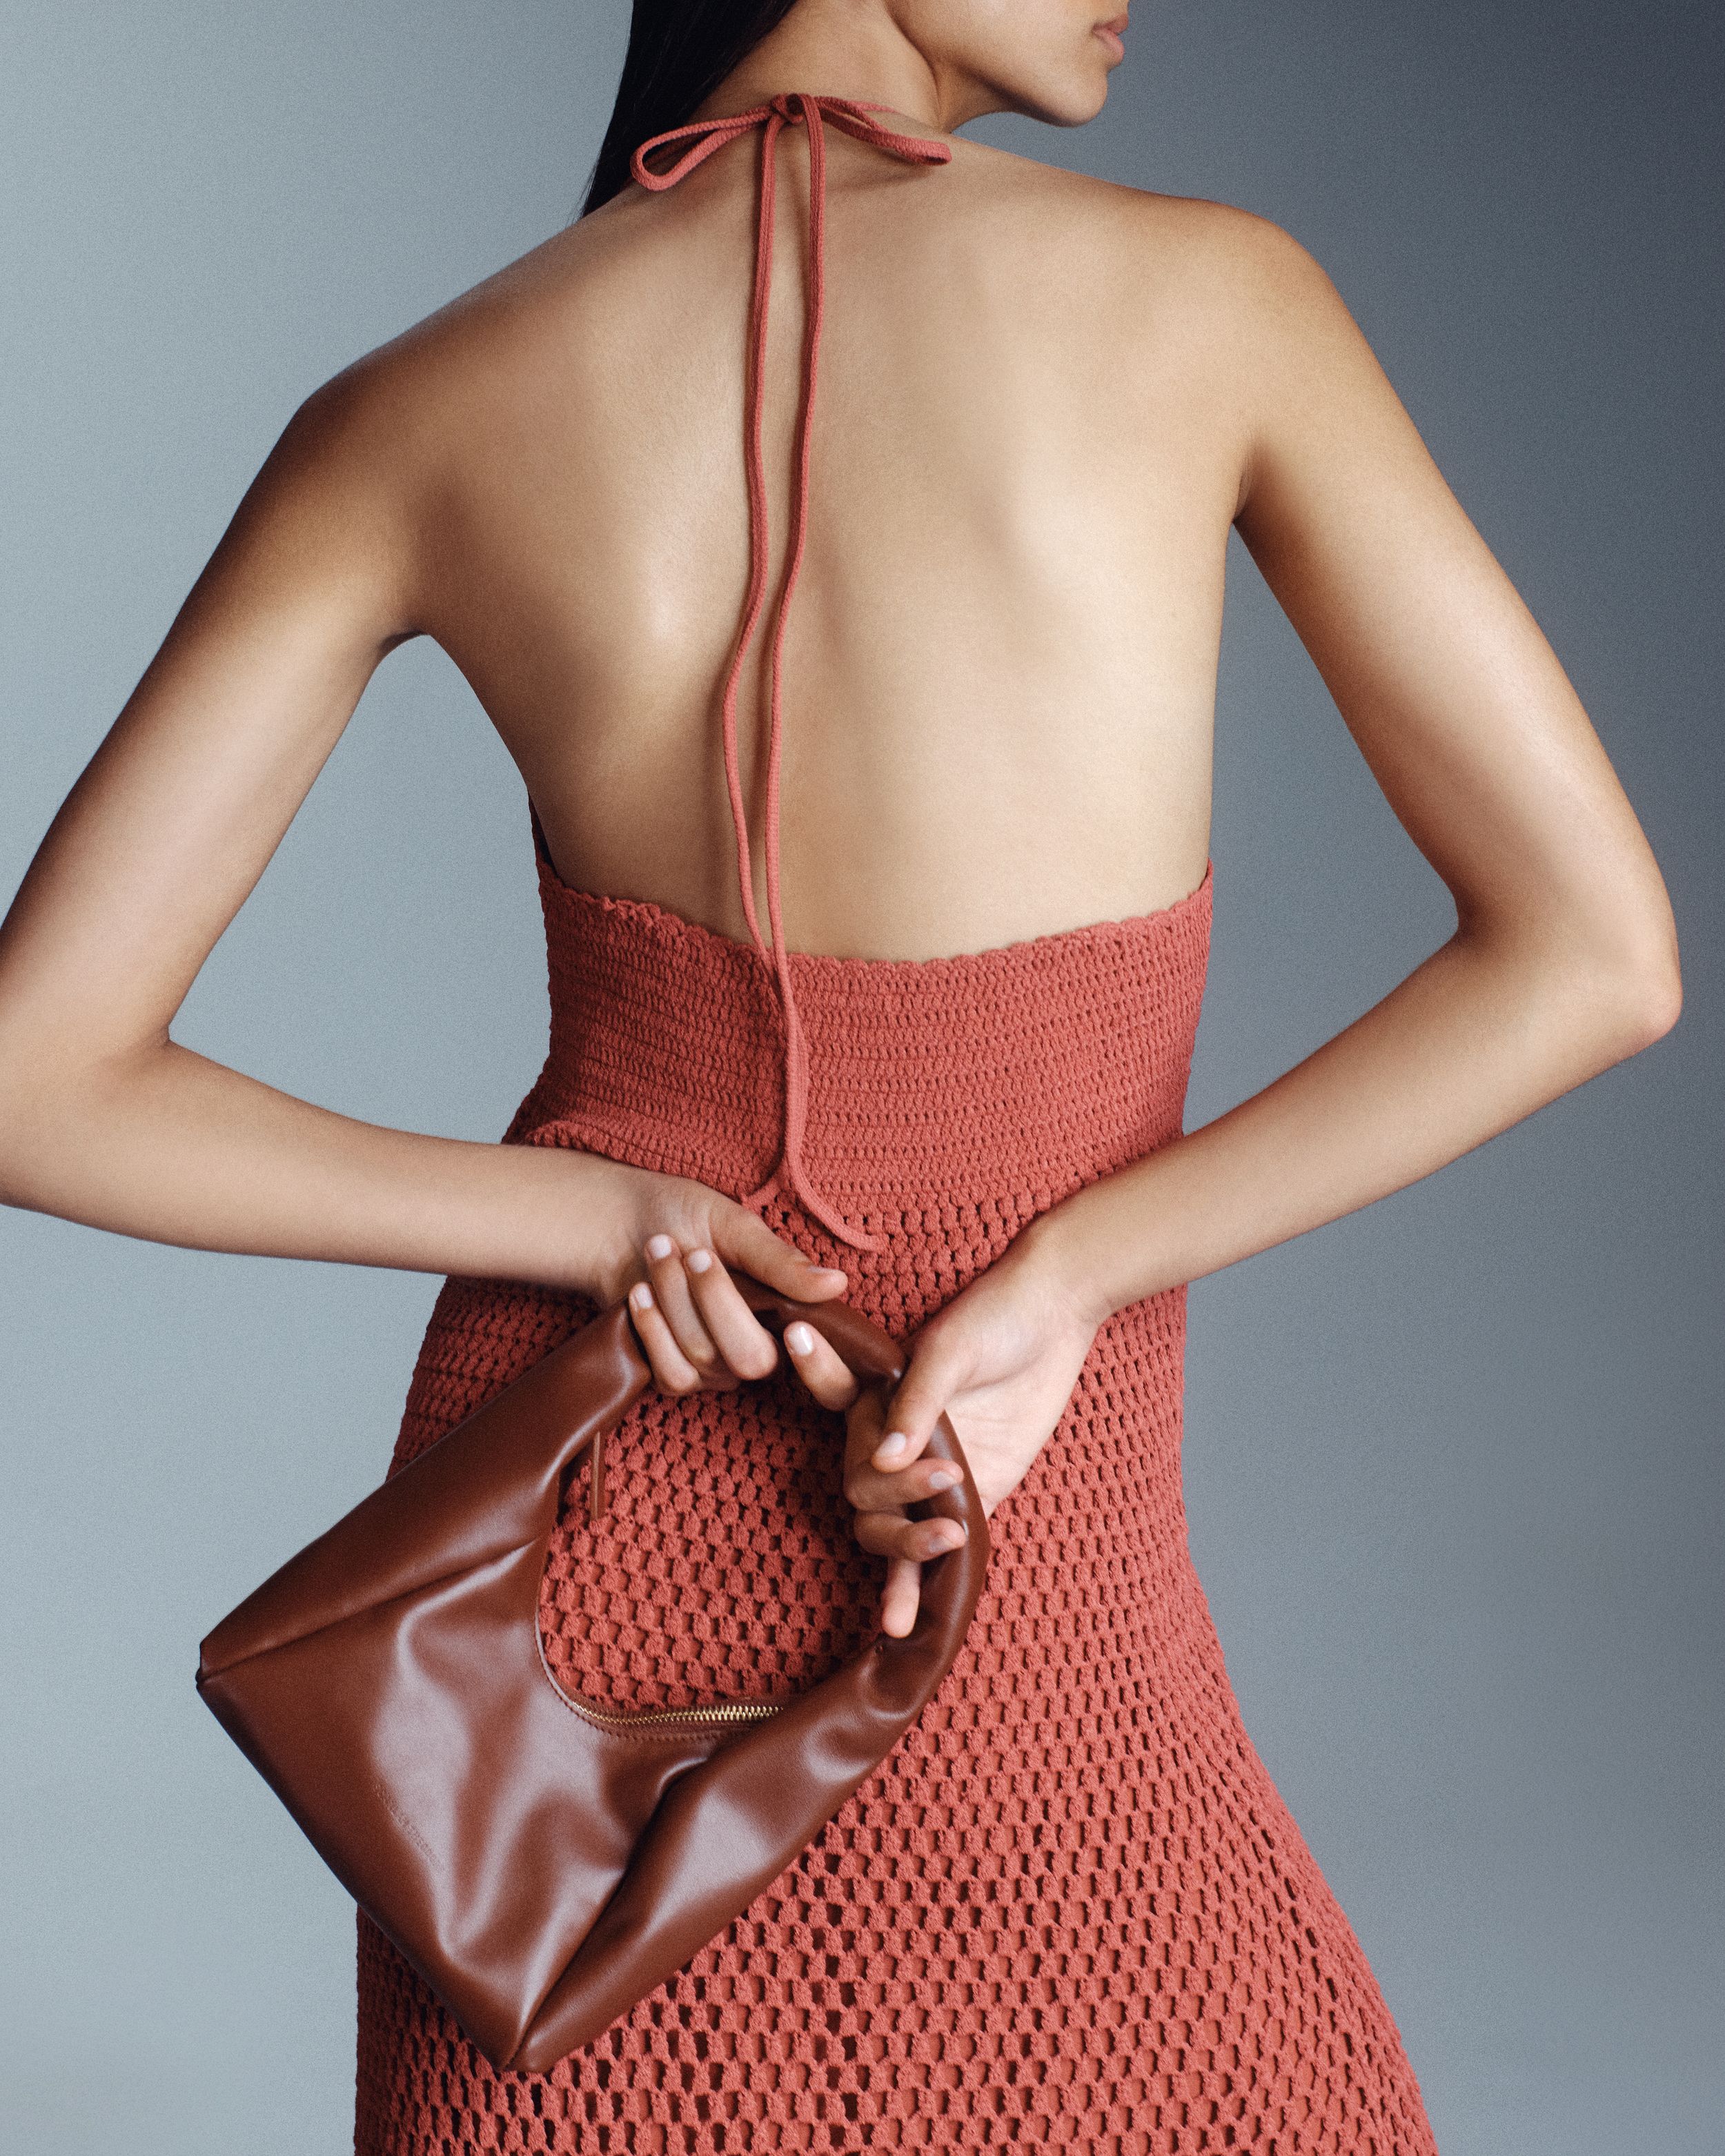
x: 668, y: 1242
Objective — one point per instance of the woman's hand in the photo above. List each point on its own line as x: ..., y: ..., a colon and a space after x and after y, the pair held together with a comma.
x: 668, y: 1240
x: 1001, y: 1360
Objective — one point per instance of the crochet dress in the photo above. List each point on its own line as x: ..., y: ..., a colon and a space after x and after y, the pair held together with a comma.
x: 1068, y: 1910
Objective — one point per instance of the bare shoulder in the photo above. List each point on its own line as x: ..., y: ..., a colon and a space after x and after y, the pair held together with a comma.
x: 386, y: 453
x: 1027, y: 185
x: 1239, y: 282
x: 1263, y: 292
x: 397, y: 399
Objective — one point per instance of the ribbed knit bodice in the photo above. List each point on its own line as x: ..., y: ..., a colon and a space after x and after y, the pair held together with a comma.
x: 1008, y: 1077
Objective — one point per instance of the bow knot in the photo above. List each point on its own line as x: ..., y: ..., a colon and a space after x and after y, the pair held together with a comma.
x: 784, y: 108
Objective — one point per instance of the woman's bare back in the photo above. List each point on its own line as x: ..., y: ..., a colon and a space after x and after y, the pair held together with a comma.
x: 1043, y: 401
x: 1000, y: 667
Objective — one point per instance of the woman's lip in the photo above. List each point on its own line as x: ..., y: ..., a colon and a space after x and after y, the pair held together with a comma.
x: 1110, y: 35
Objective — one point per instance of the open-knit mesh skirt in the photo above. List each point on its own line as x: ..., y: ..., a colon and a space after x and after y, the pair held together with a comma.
x: 1069, y: 1910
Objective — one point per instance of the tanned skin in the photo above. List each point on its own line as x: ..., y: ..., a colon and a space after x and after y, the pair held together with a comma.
x: 1044, y: 402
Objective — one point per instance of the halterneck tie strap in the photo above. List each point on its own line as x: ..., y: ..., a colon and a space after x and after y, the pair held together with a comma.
x: 704, y: 137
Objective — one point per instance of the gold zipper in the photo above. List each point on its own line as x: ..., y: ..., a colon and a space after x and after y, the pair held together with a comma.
x: 735, y: 1711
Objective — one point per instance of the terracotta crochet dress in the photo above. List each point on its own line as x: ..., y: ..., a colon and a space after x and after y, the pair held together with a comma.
x: 1069, y: 1910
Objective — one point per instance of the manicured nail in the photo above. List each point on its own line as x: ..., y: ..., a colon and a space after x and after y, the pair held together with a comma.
x: 698, y: 1261
x: 890, y: 1447
x: 800, y: 1337
x: 943, y: 1478
x: 831, y: 1272
x: 659, y: 1246
x: 641, y: 1296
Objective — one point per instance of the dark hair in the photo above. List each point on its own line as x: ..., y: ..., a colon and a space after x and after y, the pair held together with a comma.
x: 680, y: 51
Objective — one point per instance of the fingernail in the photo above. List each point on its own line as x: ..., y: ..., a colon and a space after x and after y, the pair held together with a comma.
x: 659, y: 1246
x: 798, y: 1337
x: 943, y: 1478
x: 832, y: 1272
x: 641, y: 1296
x: 699, y: 1260
x: 889, y: 1448
x: 947, y: 1536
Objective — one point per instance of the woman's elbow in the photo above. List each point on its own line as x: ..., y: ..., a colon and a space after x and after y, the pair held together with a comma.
x: 1654, y: 1002
x: 1596, y: 975
x: 28, y: 1127
x: 1639, y: 985
x: 45, y: 1108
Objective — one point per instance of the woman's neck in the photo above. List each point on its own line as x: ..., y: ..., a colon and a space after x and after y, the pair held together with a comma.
x: 856, y: 53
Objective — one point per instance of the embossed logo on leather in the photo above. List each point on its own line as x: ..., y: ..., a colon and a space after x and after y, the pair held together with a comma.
x: 386, y: 1797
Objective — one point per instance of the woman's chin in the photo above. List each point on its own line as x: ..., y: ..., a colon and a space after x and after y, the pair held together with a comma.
x: 1081, y: 97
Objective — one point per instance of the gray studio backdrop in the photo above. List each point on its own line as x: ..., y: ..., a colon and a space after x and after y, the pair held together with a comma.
x: 1451, y: 1463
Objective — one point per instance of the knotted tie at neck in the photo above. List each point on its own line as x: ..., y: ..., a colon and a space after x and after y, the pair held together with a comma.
x: 704, y: 137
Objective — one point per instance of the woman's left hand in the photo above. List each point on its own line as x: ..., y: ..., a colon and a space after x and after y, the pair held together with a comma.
x: 1001, y: 1359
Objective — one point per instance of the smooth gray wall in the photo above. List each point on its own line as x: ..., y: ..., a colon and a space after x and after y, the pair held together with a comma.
x: 1452, y: 1463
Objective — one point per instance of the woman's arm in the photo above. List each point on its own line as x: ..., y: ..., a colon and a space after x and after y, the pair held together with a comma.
x: 103, y: 1118
x: 1563, y: 961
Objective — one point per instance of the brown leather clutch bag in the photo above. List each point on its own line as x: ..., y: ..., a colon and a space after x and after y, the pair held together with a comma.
x: 544, y: 1864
